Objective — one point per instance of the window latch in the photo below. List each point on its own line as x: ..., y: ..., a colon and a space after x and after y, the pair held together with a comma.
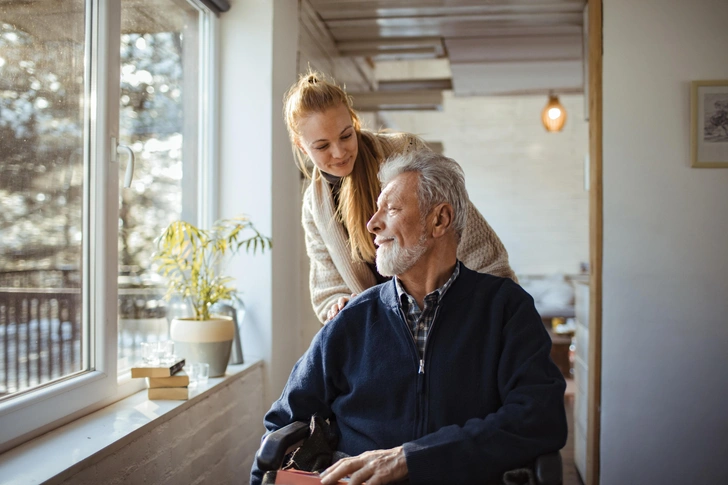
x: 117, y: 150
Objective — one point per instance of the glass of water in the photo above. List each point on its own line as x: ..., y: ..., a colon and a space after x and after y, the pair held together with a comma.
x: 199, y: 373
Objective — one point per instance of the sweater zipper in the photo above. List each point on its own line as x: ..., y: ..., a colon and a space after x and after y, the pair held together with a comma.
x: 419, y: 375
x: 422, y: 426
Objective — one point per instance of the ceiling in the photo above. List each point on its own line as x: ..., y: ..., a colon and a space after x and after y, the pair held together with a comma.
x: 494, y: 47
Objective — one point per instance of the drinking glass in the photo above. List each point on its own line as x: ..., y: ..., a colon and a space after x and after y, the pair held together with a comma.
x: 199, y: 372
x: 158, y: 352
x: 150, y: 356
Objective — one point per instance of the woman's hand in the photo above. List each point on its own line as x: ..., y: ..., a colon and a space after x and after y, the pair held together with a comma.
x: 336, y: 307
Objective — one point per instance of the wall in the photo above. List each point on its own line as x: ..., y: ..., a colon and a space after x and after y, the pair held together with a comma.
x: 665, y: 291
x: 258, y: 41
x: 528, y: 183
x: 214, y: 441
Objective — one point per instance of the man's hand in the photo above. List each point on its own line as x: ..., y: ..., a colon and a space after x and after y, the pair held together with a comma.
x: 375, y: 467
x: 336, y: 307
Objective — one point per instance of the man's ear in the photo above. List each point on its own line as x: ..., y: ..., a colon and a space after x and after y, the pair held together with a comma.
x: 442, y: 216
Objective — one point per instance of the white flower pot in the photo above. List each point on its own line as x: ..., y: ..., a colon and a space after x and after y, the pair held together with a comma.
x: 204, y: 341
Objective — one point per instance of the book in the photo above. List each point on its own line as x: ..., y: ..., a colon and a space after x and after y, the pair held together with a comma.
x: 158, y: 370
x: 297, y: 477
x: 180, y: 379
x: 169, y: 393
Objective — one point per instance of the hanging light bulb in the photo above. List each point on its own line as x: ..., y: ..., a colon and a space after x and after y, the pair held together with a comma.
x: 553, y: 115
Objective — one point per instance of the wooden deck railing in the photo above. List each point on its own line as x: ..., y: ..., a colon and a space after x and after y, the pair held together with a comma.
x: 41, y: 332
x: 40, y: 336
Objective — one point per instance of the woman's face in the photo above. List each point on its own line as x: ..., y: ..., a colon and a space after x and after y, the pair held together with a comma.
x: 329, y: 139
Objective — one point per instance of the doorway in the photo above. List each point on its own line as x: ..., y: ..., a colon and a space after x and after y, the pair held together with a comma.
x: 436, y: 48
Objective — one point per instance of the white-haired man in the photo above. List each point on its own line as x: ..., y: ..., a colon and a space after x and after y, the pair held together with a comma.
x: 441, y: 375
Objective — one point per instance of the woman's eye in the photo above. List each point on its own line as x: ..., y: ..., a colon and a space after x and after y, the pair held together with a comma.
x: 323, y: 147
x: 346, y: 137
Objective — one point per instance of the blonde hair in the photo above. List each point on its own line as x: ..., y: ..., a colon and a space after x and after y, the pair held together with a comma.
x: 312, y: 94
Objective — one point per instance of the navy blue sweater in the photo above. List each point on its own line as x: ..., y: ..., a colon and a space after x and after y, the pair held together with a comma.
x: 487, y: 400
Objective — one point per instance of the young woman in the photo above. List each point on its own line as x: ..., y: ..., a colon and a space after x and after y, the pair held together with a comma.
x: 326, y: 132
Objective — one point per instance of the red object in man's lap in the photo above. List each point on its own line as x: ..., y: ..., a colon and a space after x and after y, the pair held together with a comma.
x: 297, y: 477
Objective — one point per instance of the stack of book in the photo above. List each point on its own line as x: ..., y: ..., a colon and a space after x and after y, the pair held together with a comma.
x: 168, y: 381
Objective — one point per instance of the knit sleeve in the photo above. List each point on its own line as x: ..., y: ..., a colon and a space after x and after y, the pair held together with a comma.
x: 481, y: 249
x: 325, y: 282
x: 400, y: 143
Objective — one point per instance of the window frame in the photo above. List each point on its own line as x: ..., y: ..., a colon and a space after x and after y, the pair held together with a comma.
x: 49, y: 406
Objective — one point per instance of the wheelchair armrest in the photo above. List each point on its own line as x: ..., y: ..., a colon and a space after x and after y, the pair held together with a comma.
x: 548, y: 469
x: 279, y: 443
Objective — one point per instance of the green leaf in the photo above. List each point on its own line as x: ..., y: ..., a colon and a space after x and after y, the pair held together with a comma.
x: 191, y: 258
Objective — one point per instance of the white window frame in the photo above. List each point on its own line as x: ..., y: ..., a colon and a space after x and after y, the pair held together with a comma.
x: 37, y: 411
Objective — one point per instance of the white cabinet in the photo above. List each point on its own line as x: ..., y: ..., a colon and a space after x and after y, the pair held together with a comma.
x: 581, y: 374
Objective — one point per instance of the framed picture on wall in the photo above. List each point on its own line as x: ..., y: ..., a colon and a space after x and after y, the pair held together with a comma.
x: 709, y: 126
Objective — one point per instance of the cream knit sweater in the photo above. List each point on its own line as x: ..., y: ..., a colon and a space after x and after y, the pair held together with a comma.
x: 333, y: 274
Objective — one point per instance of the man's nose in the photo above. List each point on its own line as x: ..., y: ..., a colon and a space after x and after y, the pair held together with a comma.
x: 374, y: 225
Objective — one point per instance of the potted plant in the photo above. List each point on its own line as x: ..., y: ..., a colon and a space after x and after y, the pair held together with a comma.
x: 190, y: 260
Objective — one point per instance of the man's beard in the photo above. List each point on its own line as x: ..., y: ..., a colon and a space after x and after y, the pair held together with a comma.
x: 395, y: 260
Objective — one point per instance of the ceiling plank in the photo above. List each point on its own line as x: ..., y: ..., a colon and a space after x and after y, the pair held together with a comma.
x: 321, y: 4
x: 415, y: 85
x: 397, y: 100
x: 453, y: 30
x: 421, y: 47
x: 521, y: 48
x: 316, y: 30
x: 507, y: 19
x: 357, y: 11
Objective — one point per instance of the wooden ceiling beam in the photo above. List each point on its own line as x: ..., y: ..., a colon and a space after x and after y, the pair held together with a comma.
x: 357, y: 11
x: 515, y: 48
x: 382, y: 4
x: 421, y: 47
x: 499, y: 19
x: 397, y: 100
x: 415, y: 85
x: 453, y: 30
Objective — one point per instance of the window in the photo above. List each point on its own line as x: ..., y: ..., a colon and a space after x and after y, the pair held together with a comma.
x: 159, y: 121
x: 63, y: 340
x: 42, y: 186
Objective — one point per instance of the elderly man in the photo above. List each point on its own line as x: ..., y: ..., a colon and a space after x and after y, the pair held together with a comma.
x: 441, y: 375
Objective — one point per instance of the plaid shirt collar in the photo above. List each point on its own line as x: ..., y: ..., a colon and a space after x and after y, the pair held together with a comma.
x: 420, y: 320
x: 440, y: 292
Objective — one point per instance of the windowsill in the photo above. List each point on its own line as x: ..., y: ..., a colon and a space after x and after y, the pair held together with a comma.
x: 59, y: 454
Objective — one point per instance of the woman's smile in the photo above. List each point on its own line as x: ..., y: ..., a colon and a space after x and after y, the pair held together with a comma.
x: 330, y: 140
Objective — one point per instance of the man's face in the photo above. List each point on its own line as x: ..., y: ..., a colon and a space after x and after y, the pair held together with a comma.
x: 398, y: 226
